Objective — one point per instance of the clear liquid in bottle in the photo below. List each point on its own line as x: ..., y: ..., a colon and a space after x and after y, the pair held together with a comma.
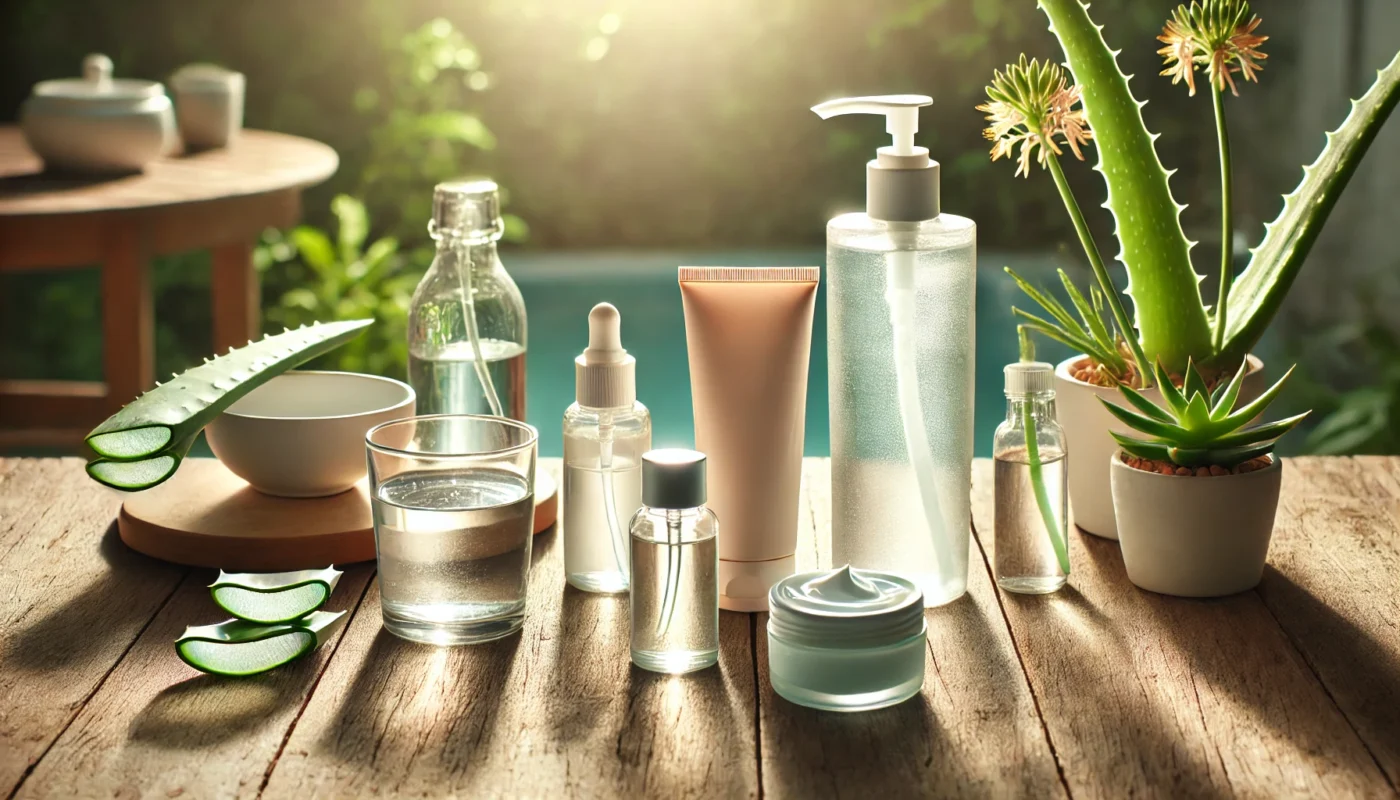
x: 1025, y: 552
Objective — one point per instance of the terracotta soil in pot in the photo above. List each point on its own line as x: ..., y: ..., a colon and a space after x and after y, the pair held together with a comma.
x: 1087, y: 371
x: 1168, y: 468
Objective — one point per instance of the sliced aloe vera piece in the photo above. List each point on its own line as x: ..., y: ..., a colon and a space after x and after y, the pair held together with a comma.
x: 135, y: 475
x: 237, y: 648
x: 272, y: 597
x: 177, y: 410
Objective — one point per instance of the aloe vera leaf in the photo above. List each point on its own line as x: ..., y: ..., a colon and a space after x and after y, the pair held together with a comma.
x: 1259, y: 291
x: 272, y: 597
x: 1057, y: 535
x: 1092, y: 321
x: 1240, y: 418
x: 1076, y: 338
x: 1196, y: 420
x: 1144, y: 405
x: 183, y: 406
x: 1055, y: 308
x: 1194, y: 384
x: 1155, y: 451
x: 1175, y: 401
x: 1165, y: 290
x: 1260, y: 433
x: 1220, y: 457
x: 1147, y: 425
x: 133, y: 476
x: 1225, y: 396
x: 237, y: 648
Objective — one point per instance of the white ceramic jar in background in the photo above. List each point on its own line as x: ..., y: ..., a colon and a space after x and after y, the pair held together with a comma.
x: 97, y: 124
x: 1087, y: 427
x: 208, y: 105
x: 846, y: 640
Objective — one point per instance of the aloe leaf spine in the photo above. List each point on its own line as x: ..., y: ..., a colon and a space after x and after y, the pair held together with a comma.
x: 1166, y: 295
x: 176, y: 411
x: 1259, y: 291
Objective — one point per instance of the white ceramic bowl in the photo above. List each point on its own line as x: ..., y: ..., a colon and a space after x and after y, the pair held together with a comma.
x: 302, y: 434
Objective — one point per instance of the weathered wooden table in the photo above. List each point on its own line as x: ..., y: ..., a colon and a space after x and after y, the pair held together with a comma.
x: 1101, y: 690
x: 219, y: 200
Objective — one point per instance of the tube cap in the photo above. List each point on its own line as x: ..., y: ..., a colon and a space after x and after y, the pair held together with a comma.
x: 605, y: 376
x: 1029, y: 377
x: 673, y: 478
x: 470, y: 209
x: 744, y: 585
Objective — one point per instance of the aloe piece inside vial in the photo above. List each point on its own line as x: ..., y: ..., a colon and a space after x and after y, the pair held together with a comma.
x: 176, y: 411
x: 272, y: 597
x: 237, y: 648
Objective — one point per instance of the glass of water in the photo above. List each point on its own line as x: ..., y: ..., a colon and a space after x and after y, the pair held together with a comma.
x: 454, y: 511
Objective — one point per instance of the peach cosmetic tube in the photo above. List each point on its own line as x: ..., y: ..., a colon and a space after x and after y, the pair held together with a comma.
x: 748, y: 333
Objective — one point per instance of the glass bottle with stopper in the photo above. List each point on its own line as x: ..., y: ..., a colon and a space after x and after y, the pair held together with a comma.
x: 466, y: 327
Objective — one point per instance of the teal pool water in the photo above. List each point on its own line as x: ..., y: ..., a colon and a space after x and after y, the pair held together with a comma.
x: 560, y: 288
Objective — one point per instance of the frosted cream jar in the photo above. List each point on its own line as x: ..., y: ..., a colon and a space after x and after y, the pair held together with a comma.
x: 846, y: 640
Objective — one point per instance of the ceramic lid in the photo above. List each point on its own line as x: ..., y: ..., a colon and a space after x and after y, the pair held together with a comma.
x: 97, y: 86
x: 846, y: 608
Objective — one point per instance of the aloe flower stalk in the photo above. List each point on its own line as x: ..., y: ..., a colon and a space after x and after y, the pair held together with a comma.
x: 1220, y: 35
x: 1030, y: 104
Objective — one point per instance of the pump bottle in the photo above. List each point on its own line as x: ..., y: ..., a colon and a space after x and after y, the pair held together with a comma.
x: 605, y: 434
x: 900, y: 302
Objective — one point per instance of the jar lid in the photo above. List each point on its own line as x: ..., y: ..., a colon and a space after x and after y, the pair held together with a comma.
x: 97, y: 86
x: 846, y: 608
x: 1029, y: 377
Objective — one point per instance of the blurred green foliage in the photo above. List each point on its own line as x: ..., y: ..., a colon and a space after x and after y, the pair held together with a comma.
x: 612, y: 123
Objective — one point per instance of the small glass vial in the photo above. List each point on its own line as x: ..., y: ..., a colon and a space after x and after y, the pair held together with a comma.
x: 466, y: 323
x: 675, y: 567
x: 605, y: 434
x: 1032, y: 556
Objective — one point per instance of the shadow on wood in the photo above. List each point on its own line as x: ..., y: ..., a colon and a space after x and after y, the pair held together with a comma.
x: 85, y: 624
x: 180, y: 718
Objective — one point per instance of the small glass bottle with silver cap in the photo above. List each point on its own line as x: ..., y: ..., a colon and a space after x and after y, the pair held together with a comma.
x: 1029, y: 507
x: 466, y: 327
x: 675, y: 566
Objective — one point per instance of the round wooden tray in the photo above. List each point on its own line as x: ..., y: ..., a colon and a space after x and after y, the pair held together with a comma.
x: 205, y: 516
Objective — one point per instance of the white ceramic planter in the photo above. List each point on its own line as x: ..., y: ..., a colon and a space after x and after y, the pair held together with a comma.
x: 1087, y: 427
x: 1195, y: 537
x: 97, y: 124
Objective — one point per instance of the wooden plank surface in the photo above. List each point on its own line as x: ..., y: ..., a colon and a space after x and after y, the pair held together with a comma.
x: 158, y: 727
x: 72, y: 600
x: 1100, y: 691
x: 1144, y: 694
x: 1332, y: 585
x: 974, y: 694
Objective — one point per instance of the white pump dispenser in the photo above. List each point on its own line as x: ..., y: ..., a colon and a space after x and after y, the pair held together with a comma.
x: 605, y: 434
x: 920, y: 264
x: 901, y: 183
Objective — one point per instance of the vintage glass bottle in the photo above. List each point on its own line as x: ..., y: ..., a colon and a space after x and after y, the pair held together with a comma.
x: 466, y: 326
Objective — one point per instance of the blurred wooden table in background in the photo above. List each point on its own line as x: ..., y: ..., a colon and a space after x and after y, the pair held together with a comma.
x: 1099, y: 690
x: 219, y: 200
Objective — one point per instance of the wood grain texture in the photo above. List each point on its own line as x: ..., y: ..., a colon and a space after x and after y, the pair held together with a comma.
x: 937, y: 743
x: 72, y: 600
x: 159, y: 728
x: 1144, y: 694
x: 258, y: 162
x: 1332, y: 585
x: 555, y: 711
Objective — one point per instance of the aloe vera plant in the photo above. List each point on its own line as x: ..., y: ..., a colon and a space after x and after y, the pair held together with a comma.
x: 1197, y: 427
x: 144, y: 443
x: 1035, y: 107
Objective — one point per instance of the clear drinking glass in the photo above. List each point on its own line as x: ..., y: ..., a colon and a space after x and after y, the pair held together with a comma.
x: 454, y: 510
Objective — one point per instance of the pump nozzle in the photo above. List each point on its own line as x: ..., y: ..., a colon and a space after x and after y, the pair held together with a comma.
x: 902, y: 182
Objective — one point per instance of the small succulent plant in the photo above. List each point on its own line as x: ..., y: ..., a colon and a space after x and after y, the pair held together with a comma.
x: 1198, y: 427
